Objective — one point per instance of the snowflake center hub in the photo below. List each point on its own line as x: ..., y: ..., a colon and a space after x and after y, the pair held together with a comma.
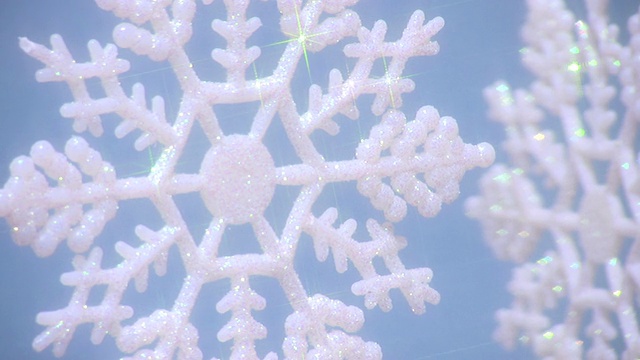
x: 239, y: 176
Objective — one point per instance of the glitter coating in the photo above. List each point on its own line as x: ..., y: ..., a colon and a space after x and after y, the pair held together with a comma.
x: 574, y: 179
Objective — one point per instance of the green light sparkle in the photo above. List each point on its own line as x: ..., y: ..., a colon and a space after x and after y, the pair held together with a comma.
x: 503, y: 178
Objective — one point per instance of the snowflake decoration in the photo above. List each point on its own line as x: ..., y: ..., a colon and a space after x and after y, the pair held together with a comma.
x: 53, y: 197
x: 590, y: 209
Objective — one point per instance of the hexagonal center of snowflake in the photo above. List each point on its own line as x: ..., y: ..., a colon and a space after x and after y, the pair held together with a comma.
x: 239, y: 176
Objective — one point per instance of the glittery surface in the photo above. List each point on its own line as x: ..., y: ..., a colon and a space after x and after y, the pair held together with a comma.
x: 574, y: 178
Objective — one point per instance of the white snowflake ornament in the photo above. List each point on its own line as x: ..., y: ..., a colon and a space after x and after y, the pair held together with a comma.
x: 574, y: 187
x: 54, y: 197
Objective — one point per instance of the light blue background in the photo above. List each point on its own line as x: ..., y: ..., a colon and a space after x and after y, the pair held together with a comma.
x: 479, y: 45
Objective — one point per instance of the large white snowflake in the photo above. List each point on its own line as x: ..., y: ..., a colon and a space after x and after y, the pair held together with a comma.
x: 574, y: 190
x: 54, y: 197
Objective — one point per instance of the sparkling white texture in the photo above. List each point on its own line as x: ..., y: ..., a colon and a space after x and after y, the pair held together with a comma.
x: 53, y: 197
x: 573, y: 143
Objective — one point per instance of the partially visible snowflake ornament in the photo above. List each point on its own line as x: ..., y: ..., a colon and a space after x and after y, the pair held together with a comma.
x: 576, y: 183
x: 54, y: 197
